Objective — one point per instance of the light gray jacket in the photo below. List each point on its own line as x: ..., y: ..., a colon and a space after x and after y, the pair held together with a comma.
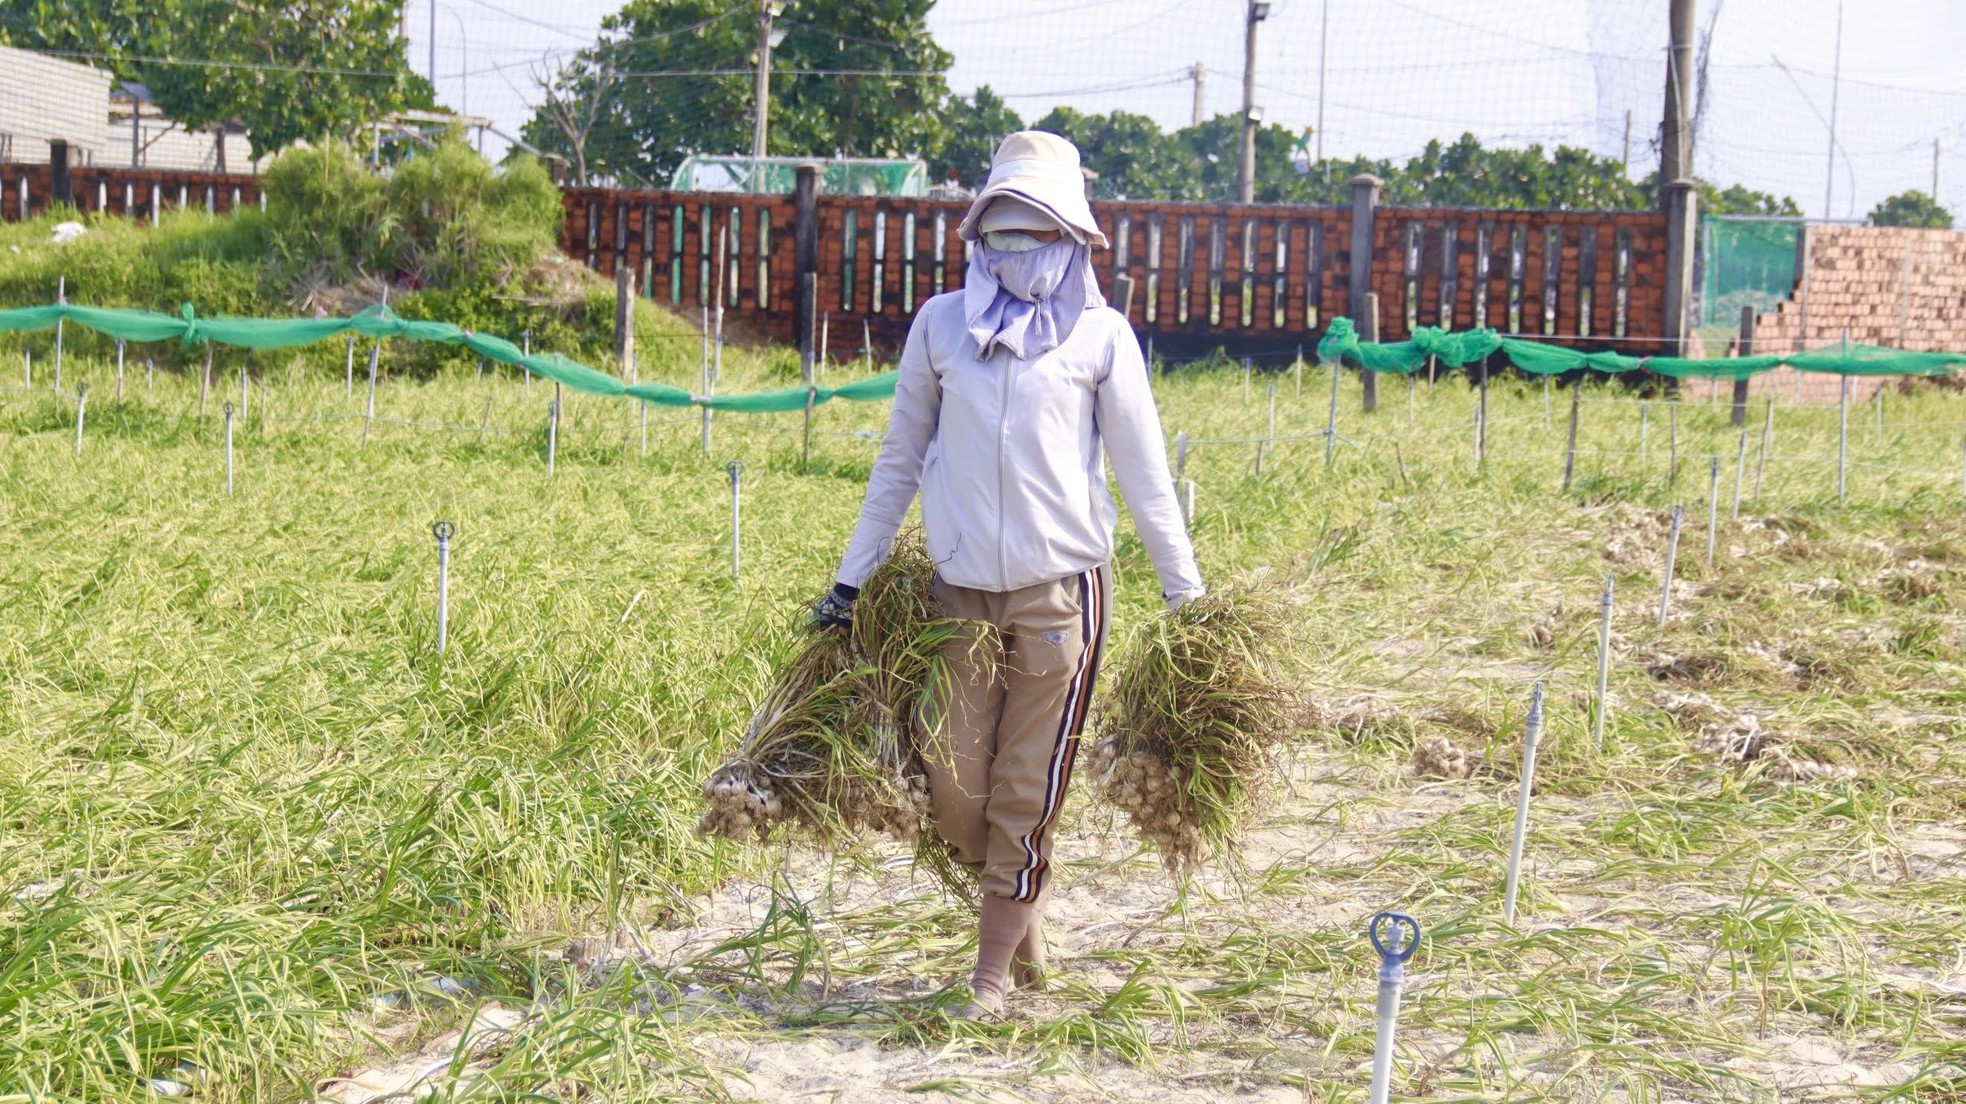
x: 1010, y: 458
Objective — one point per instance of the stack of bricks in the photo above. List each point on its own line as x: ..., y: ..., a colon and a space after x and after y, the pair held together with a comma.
x: 1886, y: 285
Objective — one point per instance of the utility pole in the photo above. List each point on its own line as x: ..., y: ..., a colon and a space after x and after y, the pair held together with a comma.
x: 1258, y: 11
x: 768, y: 11
x: 1323, y: 41
x: 1675, y: 161
x: 1835, y: 88
x: 1198, y: 73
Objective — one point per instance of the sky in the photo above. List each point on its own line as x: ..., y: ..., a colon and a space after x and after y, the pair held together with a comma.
x: 1396, y: 73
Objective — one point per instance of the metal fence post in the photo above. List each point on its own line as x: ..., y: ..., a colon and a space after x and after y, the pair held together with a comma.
x: 1570, y: 448
x: 1532, y: 734
x: 1603, y: 660
x: 736, y: 470
x: 1713, y: 506
x: 443, y: 531
x: 1672, y: 556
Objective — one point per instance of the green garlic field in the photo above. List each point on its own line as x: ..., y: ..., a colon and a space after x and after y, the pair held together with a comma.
x: 260, y: 842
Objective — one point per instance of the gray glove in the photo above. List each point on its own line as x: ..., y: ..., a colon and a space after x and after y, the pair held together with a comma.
x: 836, y: 609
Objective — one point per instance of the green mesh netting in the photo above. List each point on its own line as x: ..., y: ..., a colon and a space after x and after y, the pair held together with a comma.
x: 1456, y: 349
x: 381, y: 322
x: 1748, y: 263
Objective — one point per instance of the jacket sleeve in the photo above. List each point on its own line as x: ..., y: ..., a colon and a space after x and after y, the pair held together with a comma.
x: 897, y: 471
x: 1130, y: 427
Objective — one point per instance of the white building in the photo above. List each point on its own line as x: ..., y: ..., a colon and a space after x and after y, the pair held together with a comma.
x: 47, y: 99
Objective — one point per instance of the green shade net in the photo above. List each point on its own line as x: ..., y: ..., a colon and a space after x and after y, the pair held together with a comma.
x: 1747, y: 263
x: 1454, y: 350
x: 1457, y: 349
x: 380, y: 322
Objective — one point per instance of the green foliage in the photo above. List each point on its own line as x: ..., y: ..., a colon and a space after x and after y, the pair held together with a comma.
x: 972, y: 129
x: 329, y: 64
x: 440, y: 220
x: 1912, y: 208
x: 445, y: 235
x: 610, y: 117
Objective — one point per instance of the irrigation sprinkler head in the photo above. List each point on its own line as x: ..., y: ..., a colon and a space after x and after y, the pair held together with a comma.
x: 1395, y: 936
x: 443, y: 531
x: 735, y: 468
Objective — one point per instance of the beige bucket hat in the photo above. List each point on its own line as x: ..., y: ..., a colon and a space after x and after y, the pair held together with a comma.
x: 1041, y: 169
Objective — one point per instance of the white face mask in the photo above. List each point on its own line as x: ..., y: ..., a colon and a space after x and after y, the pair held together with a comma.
x: 1011, y: 241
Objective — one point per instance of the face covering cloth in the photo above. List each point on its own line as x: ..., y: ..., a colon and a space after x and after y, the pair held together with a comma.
x: 1028, y: 302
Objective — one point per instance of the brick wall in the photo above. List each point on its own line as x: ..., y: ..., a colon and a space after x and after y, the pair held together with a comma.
x: 1588, y: 278
x: 27, y: 190
x: 1887, y: 285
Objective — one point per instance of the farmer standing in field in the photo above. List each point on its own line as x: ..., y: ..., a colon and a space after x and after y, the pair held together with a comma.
x: 1013, y: 391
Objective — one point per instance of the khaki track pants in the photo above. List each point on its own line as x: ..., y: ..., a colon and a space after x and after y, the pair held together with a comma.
x: 1007, y: 719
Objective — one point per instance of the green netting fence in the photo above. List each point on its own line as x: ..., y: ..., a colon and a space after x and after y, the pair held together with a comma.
x: 1455, y: 350
x: 381, y: 322
x: 1340, y: 343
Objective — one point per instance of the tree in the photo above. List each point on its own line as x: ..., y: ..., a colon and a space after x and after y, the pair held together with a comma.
x: 574, y: 98
x: 971, y: 129
x: 283, y: 70
x: 1912, y: 208
x: 856, y: 78
x: 1132, y: 156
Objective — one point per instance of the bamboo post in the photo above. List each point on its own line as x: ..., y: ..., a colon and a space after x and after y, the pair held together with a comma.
x: 1532, y: 734
x: 1672, y: 557
x: 1570, y: 447
x: 1744, y: 346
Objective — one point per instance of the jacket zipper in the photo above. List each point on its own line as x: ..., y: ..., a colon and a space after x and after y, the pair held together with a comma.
x: 1003, y: 430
